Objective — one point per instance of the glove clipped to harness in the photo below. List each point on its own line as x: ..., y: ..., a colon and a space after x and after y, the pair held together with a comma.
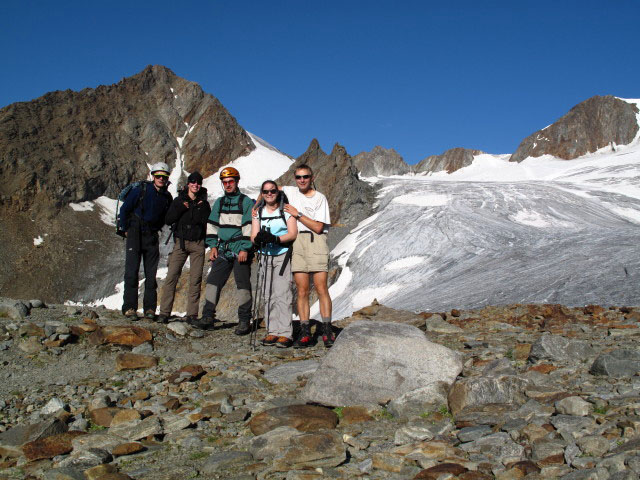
x: 265, y: 237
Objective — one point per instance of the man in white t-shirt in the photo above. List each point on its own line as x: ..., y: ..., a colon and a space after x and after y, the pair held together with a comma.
x: 310, y: 258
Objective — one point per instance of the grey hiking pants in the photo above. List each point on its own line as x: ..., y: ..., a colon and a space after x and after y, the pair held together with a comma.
x: 277, y: 292
x: 221, y: 268
x: 177, y: 258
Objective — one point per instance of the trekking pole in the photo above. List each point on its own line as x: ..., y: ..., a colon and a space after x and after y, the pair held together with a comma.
x: 267, y: 308
x: 256, y: 304
x: 263, y: 286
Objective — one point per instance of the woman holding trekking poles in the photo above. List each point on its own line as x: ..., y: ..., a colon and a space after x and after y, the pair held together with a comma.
x: 272, y: 231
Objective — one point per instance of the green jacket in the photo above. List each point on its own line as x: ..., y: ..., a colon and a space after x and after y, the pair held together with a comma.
x: 229, y: 224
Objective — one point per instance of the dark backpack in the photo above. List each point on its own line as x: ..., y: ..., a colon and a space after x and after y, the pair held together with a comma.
x: 120, y: 229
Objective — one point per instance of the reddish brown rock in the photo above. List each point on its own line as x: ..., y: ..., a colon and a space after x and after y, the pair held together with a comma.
x: 471, y: 475
x: 127, y: 449
x: 81, y: 329
x: 521, y: 351
x: 314, y: 449
x: 355, y: 415
x: 188, y: 373
x: 51, y: 446
x: 593, y: 309
x: 125, y: 416
x: 305, y: 418
x: 120, y: 335
x: 525, y: 467
x: 543, y: 368
x: 211, y: 411
x: 103, y: 416
x: 55, y: 343
x: 433, y: 473
x: 132, y: 361
x: 388, y: 462
x: 99, y: 471
x: 172, y: 403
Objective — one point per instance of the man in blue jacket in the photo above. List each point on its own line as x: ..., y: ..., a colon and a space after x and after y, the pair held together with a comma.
x: 142, y: 214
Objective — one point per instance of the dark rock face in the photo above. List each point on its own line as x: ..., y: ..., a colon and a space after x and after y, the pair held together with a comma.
x: 450, y: 161
x: 590, y: 125
x: 68, y: 147
x: 350, y: 199
x: 73, y: 146
x: 380, y: 161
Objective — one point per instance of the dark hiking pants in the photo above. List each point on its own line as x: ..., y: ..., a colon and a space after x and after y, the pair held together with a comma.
x: 218, y: 275
x: 140, y: 246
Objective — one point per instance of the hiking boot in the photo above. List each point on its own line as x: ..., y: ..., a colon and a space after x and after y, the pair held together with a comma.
x: 304, y: 340
x: 150, y: 315
x: 243, y: 328
x: 328, y: 336
x: 162, y: 318
x: 269, y: 340
x: 131, y: 314
x: 284, y: 342
x: 190, y: 319
x: 204, y: 323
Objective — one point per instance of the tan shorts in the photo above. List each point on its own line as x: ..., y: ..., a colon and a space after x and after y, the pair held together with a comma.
x: 310, y: 256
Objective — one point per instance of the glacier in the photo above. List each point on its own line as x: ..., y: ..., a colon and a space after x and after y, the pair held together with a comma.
x: 541, y: 231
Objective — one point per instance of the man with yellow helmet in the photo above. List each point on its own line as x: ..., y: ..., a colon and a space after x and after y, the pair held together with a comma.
x: 229, y: 236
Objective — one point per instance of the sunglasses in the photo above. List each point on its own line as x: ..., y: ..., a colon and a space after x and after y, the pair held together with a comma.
x: 273, y: 191
x: 299, y: 177
x: 228, y: 182
x: 164, y: 177
x: 195, y: 183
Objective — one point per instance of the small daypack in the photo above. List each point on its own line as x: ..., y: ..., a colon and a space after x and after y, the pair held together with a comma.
x: 120, y: 229
x: 282, y: 202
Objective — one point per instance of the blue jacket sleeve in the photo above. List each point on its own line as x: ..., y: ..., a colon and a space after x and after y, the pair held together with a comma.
x: 128, y: 206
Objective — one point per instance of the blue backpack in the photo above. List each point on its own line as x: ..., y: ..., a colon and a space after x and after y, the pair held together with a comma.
x: 120, y: 229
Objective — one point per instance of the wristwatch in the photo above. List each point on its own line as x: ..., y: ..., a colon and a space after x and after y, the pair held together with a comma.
x: 298, y: 216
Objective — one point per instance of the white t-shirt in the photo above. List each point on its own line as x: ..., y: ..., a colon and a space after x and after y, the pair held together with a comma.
x: 315, y: 207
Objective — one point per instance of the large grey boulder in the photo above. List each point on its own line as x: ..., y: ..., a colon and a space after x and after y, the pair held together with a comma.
x: 376, y: 362
x: 618, y: 363
x: 14, y: 309
x: 558, y: 348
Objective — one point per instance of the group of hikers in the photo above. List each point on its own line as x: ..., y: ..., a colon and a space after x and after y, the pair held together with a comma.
x: 285, y: 229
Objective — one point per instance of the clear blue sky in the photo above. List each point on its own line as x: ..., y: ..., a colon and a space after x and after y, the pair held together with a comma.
x: 417, y: 76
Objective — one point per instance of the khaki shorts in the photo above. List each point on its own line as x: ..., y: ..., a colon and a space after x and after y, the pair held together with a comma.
x: 310, y: 256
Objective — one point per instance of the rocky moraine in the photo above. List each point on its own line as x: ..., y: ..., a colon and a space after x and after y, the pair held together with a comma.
x: 518, y: 391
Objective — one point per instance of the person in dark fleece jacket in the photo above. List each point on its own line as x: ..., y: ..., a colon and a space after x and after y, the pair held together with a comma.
x: 142, y: 215
x: 189, y: 212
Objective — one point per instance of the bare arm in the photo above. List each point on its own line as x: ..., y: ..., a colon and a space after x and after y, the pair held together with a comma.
x: 255, y: 228
x: 313, y: 225
x: 292, y: 231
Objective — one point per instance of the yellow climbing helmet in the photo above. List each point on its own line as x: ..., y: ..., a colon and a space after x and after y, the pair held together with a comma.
x: 227, y: 172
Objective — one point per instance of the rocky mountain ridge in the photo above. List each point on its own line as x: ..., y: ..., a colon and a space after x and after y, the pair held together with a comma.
x: 598, y: 122
x: 593, y: 124
x: 74, y: 146
x: 69, y: 147
x: 336, y: 176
